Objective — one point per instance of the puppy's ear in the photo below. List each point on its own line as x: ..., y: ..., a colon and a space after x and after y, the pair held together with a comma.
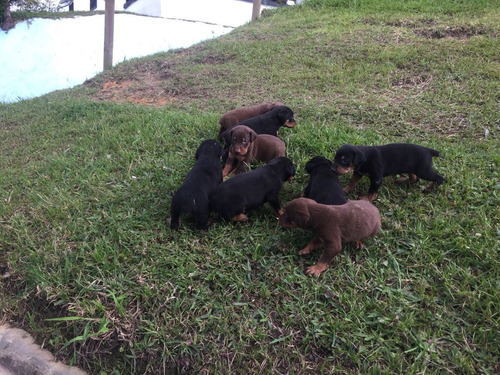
x: 226, y: 137
x: 359, y: 157
x: 298, y: 213
x: 310, y: 165
x: 290, y: 169
x: 302, y: 217
x: 252, y: 135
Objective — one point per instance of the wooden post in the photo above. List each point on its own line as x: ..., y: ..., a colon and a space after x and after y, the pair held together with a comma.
x: 109, y: 28
x: 256, y: 9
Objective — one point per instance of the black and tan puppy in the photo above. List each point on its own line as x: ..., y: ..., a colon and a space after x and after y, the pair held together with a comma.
x: 235, y: 197
x: 331, y: 225
x: 247, y: 146
x: 377, y: 162
x: 192, y: 197
x: 269, y: 122
x: 324, y: 186
x: 237, y: 115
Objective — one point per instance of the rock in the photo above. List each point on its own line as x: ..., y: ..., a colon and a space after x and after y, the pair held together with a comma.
x: 19, y: 355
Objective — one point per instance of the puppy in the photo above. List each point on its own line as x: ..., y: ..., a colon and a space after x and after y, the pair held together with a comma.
x: 331, y: 225
x: 247, y: 146
x: 377, y: 162
x: 193, y: 195
x: 324, y: 186
x: 269, y: 122
x: 235, y: 197
x: 231, y: 118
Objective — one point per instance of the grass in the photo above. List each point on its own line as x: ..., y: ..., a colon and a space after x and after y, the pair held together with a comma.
x: 91, y: 269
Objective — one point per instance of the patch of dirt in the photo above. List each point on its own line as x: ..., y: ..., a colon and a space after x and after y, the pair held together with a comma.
x: 214, y: 59
x: 412, y: 24
x: 148, y: 92
x: 459, y: 32
x: 428, y: 28
x: 407, y: 23
x: 416, y: 80
x: 156, y: 82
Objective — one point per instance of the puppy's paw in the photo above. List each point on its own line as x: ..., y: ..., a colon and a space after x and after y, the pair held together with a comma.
x: 368, y: 197
x: 305, y: 251
x: 429, y: 189
x: 241, y: 218
x: 315, y: 270
x: 173, y: 225
x: 402, y: 180
x: 407, y: 179
x: 360, y: 245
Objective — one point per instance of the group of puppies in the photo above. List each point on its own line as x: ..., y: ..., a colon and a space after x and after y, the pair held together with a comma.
x: 250, y: 134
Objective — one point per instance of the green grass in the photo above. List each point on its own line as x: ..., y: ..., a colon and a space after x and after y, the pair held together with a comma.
x: 91, y: 269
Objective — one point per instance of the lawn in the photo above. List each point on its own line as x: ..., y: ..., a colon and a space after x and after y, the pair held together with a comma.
x: 90, y: 267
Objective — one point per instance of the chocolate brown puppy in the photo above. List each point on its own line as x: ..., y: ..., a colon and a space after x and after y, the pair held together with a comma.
x: 231, y: 118
x: 324, y: 186
x: 247, y: 146
x: 377, y: 162
x: 235, y: 197
x: 192, y: 197
x: 331, y: 225
x: 267, y: 123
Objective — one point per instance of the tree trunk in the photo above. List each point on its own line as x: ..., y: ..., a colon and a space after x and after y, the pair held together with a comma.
x: 7, y: 23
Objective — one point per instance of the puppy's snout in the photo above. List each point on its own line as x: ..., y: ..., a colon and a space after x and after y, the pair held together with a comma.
x: 339, y: 169
x: 290, y: 123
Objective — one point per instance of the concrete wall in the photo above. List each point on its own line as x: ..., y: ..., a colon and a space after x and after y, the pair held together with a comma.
x: 84, y: 5
x: 153, y: 8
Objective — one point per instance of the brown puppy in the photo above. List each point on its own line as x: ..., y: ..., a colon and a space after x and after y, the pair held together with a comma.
x: 331, y: 225
x: 247, y: 146
x: 237, y: 115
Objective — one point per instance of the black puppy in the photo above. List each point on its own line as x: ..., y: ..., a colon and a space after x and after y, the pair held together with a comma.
x: 324, y: 186
x: 235, y: 197
x: 201, y: 180
x: 376, y: 162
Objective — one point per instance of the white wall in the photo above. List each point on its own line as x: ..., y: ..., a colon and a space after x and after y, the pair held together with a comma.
x: 84, y: 5
x: 147, y: 7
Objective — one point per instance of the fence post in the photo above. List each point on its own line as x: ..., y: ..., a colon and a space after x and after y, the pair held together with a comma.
x: 256, y: 9
x: 109, y: 26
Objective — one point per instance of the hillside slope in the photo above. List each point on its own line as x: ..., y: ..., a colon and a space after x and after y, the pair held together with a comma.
x: 90, y: 267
